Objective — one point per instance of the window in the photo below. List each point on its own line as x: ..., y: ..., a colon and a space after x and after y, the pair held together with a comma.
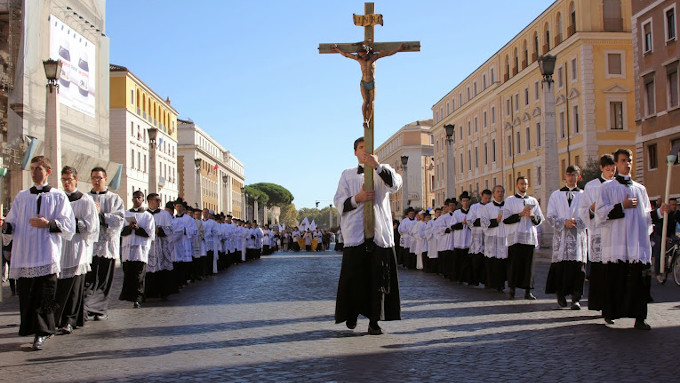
x: 132, y: 96
x: 616, y: 115
x: 516, y: 102
x: 670, y: 24
x: 536, y: 91
x: 132, y: 159
x: 468, y: 93
x: 650, y: 106
x: 577, y: 161
x: 510, y: 146
x: 574, y: 71
x: 144, y: 168
x: 528, y: 138
x: 507, y: 106
x: 475, y: 124
x: 577, y: 127
x: 484, y: 119
x: 564, y: 166
x: 538, y: 134
x: 132, y: 129
x: 492, y: 77
x: 614, y: 66
x: 493, y: 114
x: 462, y: 168
x: 476, y: 157
x: 469, y: 128
x: 563, y: 132
x: 538, y: 176
x: 560, y: 76
x: 647, y: 42
x: 672, y: 85
x: 139, y: 160
x: 483, y: 81
x: 526, y: 97
x: 469, y: 159
x: 486, y: 153
x: 529, y: 176
x: 652, y: 157
x: 474, y: 86
x: 518, y: 143
x: 493, y: 151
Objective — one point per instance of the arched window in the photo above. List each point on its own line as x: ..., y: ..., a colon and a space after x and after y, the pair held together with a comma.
x: 558, y: 29
x: 536, y: 45
x: 572, y: 19
x: 507, y: 67
x: 546, y: 46
x: 525, y: 54
x: 515, y: 67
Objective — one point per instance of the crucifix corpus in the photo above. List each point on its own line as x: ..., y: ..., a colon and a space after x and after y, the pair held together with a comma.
x: 366, y: 53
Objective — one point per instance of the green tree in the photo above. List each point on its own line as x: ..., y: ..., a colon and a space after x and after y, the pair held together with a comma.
x: 289, y: 215
x: 319, y: 216
x: 277, y: 195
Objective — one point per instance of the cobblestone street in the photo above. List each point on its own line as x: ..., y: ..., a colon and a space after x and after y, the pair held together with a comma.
x: 271, y: 320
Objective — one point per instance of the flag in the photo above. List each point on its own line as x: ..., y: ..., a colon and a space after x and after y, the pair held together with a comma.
x: 304, y: 224
x: 312, y: 226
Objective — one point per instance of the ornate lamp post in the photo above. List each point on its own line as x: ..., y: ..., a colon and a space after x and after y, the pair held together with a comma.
x: 450, y: 169
x: 226, y: 206
x: 154, y: 184
x: 52, y: 120
x: 199, y: 192
x: 550, y: 172
x: 404, y: 188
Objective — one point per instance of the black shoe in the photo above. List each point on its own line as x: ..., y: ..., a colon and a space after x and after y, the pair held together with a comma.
x: 101, y: 317
x: 511, y: 293
x: 39, y: 342
x: 608, y: 321
x: 640, y: 324
x: 374, y: 330
x: 562, y: 301
x: 89, y: 317
x: 137, y: 305
x: 575, y: 305
x: 351, y: 323
x: 528, y: 295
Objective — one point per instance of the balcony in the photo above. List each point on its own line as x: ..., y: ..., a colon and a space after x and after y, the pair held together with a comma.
x: 524, y: 64
x: 506, y: 77
x: 546, y: 49
x: 534, y: 56
x: 514, y: 71
x: 571, y: 30
x: 558, y: 39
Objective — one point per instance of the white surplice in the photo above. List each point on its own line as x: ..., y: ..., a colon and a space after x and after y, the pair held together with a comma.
x: 568, y: 244
x: 112, y: 209
x: 591, y: 193
x: 135, y: 247
x: 76, y: 255
x: 476, y: 232
x: 495, y: 239
x: 524, y: 231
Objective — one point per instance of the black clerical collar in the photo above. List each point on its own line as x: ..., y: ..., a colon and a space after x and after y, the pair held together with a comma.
x: 360, y: 169
x: 450, y: 213
x: 99, y: 192
x: 500, y: 204
x: 520, y: 196
x: 137, y: 210
x: 602, y: 180
x: 179, y: 216
x: 567, y: 189
x: 75, y: 195
x: 464, y: 211
x: 410, y: 219
x: 40, y: 189
x: 624, y: 181
x: 155, y: 211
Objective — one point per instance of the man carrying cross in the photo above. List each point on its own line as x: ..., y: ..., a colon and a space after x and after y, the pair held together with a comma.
x: 367, y: 58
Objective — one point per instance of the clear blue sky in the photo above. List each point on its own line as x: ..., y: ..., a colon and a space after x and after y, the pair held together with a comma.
x: 249, y: 73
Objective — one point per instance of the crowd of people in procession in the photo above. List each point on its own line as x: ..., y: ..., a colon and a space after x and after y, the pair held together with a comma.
x: 62, y: 247
x: 601, y: 233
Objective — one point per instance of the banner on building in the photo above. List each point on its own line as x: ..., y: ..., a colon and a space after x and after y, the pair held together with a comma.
x: 77, y: 54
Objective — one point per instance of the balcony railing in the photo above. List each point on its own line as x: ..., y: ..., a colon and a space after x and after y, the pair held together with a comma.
x: 506, y: 77
x: 546, y: 49
x: 558, y: 39
x: 571, y: 30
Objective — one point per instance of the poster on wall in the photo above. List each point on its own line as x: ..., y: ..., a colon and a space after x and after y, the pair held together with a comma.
x: 77, y: 55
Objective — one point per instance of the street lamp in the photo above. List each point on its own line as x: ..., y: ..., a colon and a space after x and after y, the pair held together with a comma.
x: 226, y: 194
x: 404, y: 188
x: 450, y: 169
x: 154, y: 183
x: 546, y: 64
x: 199, y: 192
x: 550, y: 172
x: 52, y: 119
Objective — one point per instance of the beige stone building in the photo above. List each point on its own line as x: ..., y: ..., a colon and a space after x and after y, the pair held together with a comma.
x: 415, y: 141
x: 657, y: 113
x: 498, y: 111
x: 209, y: 175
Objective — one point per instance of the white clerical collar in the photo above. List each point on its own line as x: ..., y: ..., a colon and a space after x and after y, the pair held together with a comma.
x: 40, y: 187
x: 74, y: 190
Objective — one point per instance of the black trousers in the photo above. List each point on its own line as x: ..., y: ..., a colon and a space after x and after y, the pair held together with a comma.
x: 521, y: 266
x: 37, y: 305
x: 133, y: 281
x: 70, y: 300
x: 98, y: 285
x: 627, y: 290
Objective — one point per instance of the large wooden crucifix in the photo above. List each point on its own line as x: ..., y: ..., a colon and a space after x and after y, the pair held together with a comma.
x: 367, y: 52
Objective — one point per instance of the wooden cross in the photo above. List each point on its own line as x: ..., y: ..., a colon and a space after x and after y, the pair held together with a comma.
x: 366, y: 53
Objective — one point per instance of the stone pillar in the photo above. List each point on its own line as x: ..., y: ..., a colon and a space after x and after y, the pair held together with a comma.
x: 550, y: 167
x: 450, y: 170
x: 53, y: 134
